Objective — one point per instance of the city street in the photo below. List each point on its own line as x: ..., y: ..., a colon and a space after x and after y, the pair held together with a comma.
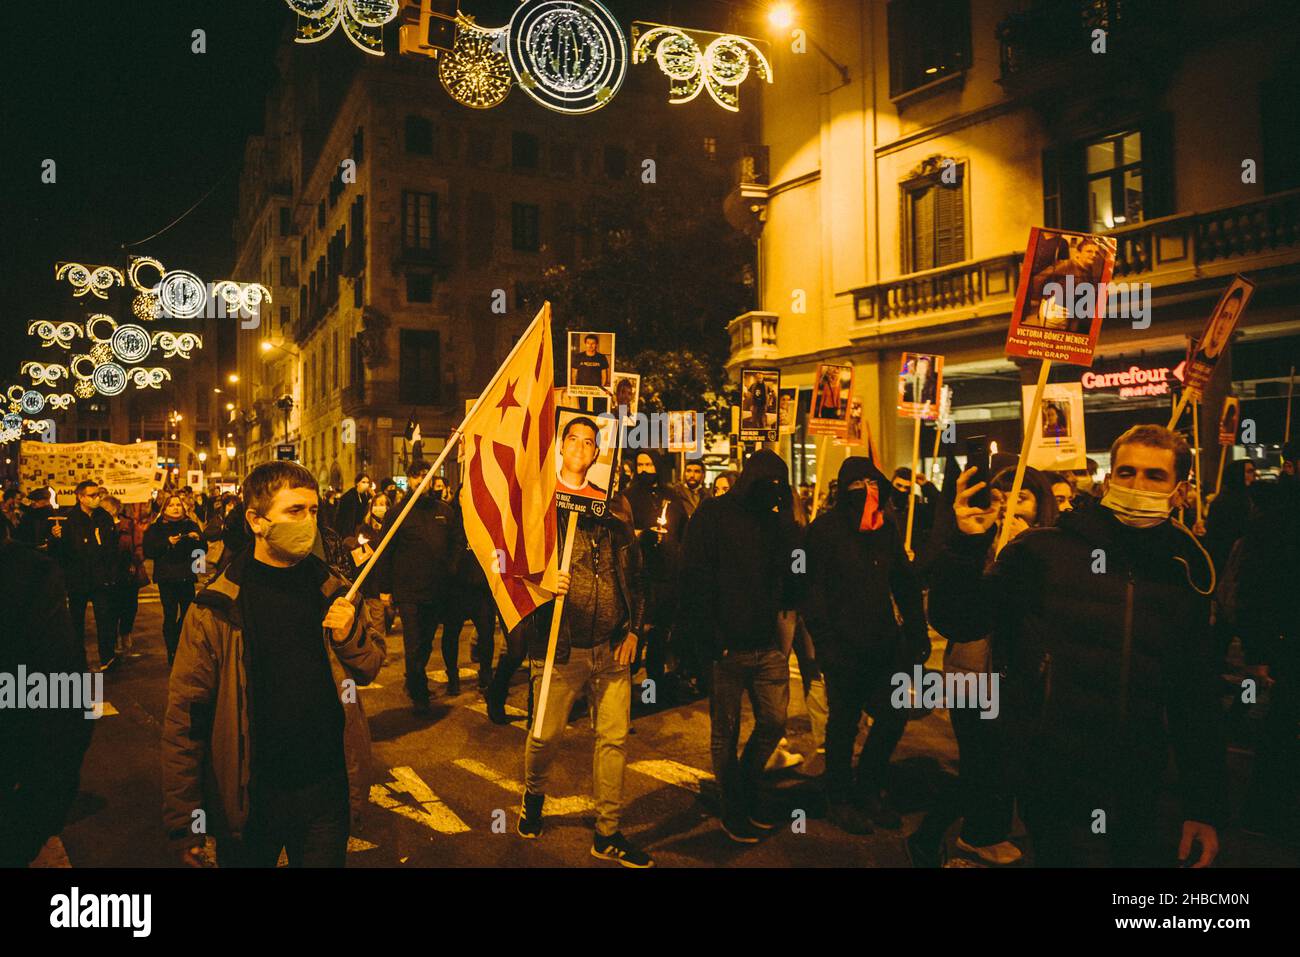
x: 444, y: 785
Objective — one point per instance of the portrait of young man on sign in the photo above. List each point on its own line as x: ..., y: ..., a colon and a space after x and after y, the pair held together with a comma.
x: 591, y: 364
x: 585, y: 448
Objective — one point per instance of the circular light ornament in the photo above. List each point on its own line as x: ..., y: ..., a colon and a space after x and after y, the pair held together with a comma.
x: 13, y: 420
x: 83, y: 366
x: 678, y: 56
x: 84, y: 389
x: 476, y: 73
x: 568, y: 55
x: 139, y: 263
x: 130, y: 343
x: 32, y: 402
x: 374, y: 13
x: 109, y: 379
x: 182, y: 294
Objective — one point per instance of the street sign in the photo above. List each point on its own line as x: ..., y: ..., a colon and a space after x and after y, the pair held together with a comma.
x: 285, y: 453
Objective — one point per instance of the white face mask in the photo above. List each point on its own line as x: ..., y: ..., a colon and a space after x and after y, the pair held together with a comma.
x: 379, y: 511
x: 1137, y: 508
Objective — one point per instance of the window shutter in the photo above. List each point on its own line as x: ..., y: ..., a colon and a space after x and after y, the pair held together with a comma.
x: 923, y: 229
x: 1157, y: 167
x: 949, y: 228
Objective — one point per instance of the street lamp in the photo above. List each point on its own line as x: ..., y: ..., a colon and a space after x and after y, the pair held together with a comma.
x: 268, y: 346
x: 203, y: 458
x: 233, y: 378
x: 781, y: 16
x: 231, y: 452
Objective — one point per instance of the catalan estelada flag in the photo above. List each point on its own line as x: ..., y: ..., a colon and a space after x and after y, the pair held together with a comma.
x: 508, y: 492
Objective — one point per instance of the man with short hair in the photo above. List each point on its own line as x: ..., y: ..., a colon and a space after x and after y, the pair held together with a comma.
x: 264, y: 743
x: 579, y: 449
x: 417, y: 570
x: 87, y: 549
x: 1100, y: 626
x: 691, y: 490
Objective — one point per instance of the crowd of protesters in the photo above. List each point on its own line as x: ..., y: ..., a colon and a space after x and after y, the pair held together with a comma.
x: 1104, y: 619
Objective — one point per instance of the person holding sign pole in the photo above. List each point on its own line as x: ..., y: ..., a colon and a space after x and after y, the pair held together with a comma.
x: 1101, y: 626
x: 594, y: 649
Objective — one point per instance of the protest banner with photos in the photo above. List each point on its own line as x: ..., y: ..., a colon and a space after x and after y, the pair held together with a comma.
x: 626, y: 393
x: 1061, y: 298
x: 760, y: 392
x: 591, y: 365
x: 586, y: 447
x: 1228, y: 421
x: 920, y: 385
x: 855, y: 431
x: 1058, y: 443
x: 129, y: 473
x: 684, y: 434
x: 788, y: 418
x: 1218, y: 333
x: 832, y: 396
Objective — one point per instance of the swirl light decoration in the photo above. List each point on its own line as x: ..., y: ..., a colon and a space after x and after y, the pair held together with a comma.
x: 50, y: 334
x: 363, y: 20
x: 568, y: 55
x: 173, y: 345
x: 8, y: 435
x: 96, y: 280
x: 476, y: 73
x: 182, y: 295
x: 149, y: 378
x: 60, y: 401
x: 245, y: 298
x: 42, y: 374
x: 721, y: 67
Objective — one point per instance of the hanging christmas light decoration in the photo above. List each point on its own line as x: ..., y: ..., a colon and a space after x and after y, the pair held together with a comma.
x: 245, y: 298
x: 130, y: 343
x: 182, y: 294
x: 146, y: 306
x: 568, y: 55
x: 78, y: 364
x: 149, y: 378
x: 720, y: 67
x: 173, y: 345
x: 476, y: 73
x: 83, y: 389
x: 60, y: 401
x: 42, y: 374
x: 363, y: 20
x: 50, y: 334
x: 96, y: 280
x: 25, y: 400
x: 12, y: 420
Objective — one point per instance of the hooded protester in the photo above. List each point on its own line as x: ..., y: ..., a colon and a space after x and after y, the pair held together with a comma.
x: 659, y: 518
x: 857, y: 572
x: 1101, y: 626
x: 738, y: 612
x: 174, y: 542
x: 264, y: 731
x: 981, y: 797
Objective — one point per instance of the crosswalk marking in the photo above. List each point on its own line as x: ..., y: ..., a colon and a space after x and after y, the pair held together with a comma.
x: 480, y: 707
x: 356, y: 845
x: 432, y: 812
x: 672, y: 772
x: 560, y: 806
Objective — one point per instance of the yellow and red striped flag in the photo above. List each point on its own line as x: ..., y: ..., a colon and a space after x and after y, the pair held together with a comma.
x: 508, y: 494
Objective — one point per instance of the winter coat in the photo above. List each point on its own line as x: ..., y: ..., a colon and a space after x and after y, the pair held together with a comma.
x: 417, y: 564
x: 852, y: 576
x: 616, y: 527
x: 1105, y: 649
x: 207, y: 741
x: 173, y: 563
x: 87, y: 550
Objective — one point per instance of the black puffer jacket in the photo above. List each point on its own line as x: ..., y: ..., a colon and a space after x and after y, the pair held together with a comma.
x: 1104, y: 670
x: 88, y: 550
x: 617, y: 526
x: 173, y: 563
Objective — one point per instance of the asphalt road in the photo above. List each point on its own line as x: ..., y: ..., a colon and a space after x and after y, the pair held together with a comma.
x: 447, y: 786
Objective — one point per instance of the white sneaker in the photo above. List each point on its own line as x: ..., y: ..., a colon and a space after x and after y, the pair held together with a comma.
x: 783, y: 759
x: 1003, y: 852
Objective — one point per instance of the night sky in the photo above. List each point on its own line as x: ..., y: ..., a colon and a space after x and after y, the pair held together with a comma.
x: 141, y: 127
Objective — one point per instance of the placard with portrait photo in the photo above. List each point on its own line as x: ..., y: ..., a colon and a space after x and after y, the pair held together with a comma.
x: 1218, y: 333
x: 788, y: 416
x: 626, y: 396
x: 831, y: 399
x: 1058, y: 443
x: 760, y: 403
x: 920, y: 385
x: 1061, y: 298
x: 591, y: 364
x: 586, y: 450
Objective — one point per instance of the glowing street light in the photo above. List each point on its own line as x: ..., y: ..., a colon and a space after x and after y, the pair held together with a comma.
x: 233, y: 378
x: 203, y: 457
x: 781, y: 16
x: 230, y: 452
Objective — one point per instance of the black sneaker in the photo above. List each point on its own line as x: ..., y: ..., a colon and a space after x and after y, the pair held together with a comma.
x: 762, y: 821
x: 740, y: 831
x: 618, y: 848
x: 530, y: 816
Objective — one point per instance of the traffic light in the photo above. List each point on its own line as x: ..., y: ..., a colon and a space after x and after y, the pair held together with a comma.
x: 435, y: 30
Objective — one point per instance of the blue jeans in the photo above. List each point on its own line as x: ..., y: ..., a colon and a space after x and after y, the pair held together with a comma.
x: 765, y: 676
x: 611, y: 700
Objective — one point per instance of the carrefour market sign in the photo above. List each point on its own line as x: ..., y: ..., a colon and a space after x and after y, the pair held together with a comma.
x: 1135, y: 380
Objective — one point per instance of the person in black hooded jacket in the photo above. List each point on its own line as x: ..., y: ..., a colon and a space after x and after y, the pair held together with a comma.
x: 174, y: 542
x: 1101, y: 627
x: 737, y: 607
x: 856, y: 565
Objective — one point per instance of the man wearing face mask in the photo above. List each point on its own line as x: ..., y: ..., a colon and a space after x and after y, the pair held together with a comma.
x: 264, y: 731
x: 1101, y: 628
x: 660, y: 522
x: 352, y: 506
x: 738, y: 612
